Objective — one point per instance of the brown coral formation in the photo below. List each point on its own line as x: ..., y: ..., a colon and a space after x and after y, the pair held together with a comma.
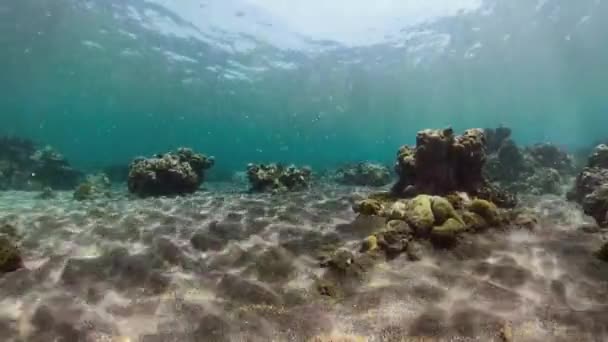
x: 442, y: 163
x: 175, y: 173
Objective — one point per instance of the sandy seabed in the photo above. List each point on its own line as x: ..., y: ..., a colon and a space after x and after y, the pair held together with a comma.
x: 222, y: 265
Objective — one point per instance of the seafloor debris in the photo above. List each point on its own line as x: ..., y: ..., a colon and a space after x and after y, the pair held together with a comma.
x: 277, y: 177
x: 364, y: 174
x: 25, y: 167
x: 173, y: 173
x: 538, y: 169
x: 591, y: 187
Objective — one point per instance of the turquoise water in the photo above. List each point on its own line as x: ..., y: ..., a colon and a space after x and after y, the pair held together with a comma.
x: 104, y: 81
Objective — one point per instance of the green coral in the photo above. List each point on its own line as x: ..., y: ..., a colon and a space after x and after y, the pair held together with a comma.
x: 10, y: 258
x: 487, y: 210
x: 369, y: 207
x: 443, y: 210
x: 421, y: 213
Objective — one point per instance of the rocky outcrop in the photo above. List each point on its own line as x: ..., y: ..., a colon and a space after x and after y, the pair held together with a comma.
x: 364, y: 174
x: 276, y: 177
x: 442, y: 163
x: 173, y: 173
x: 591, y: 186
x: 10, y: 257
x: 25, y: 167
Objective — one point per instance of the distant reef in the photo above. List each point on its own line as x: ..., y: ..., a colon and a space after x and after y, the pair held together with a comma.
x: 277, y: 177
x: 26, y: 166
x: 538, y: 169
x: 363, y: 174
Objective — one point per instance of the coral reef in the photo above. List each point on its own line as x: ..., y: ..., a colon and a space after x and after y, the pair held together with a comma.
x: 173, y: 173
x: 364, y: 174
x: 24, y: 167
x: 591, y: 186
x: 441, y: 196
x: 538, y: 169
x: 276, y: 177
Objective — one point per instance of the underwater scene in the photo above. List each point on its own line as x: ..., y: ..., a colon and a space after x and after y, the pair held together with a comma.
x: 315, y: 171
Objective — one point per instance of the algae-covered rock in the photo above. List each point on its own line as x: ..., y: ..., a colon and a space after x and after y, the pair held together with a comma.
x: 10, y: 257
x: 487, y: 210
x: 370, y: 243
x: 456, y: 199
x: 447, y: 234
x: 474, y: 222
x: 450, y: 227
x: 420, y: 214
x: 369, y: 207
x: 443, y: 210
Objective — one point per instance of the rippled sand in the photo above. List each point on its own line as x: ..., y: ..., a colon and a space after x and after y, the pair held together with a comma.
x: 125, y: 269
